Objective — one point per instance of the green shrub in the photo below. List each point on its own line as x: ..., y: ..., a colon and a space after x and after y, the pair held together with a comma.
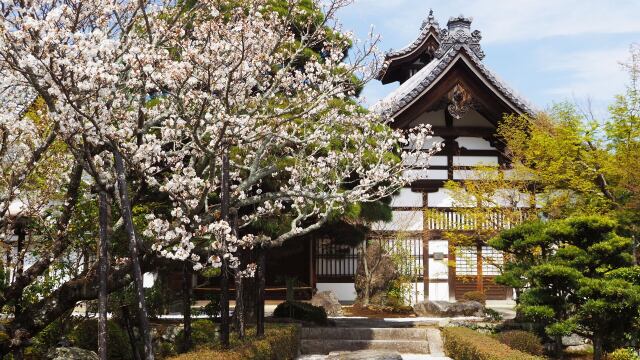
x: 85, y: 335
x: 279, y: 343
x: 478, y: 296
x: 301, y: 311
x: 466, y: 344
x: 623, y: 354
x: 203, y: 332
x: 492, y: 315
x: 522, y: 340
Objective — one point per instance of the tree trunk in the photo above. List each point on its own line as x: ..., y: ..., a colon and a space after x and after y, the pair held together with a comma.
x: 224, y: 280
x: 597, y: 347
x: 238, y: 312
x: 187, y: 289
x: 125, y: 205
x: 132, y: 338
x: 367, y: 274
x: 21, y: 232
x: 103, y: 273
x: 239, y: 309
x: 260, y: 282
x: 557, y: 346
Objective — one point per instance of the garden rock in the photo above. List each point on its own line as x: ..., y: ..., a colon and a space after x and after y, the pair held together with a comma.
x: 365, y: 355
x: 448, y: 309
x: 71, y: 353
x: 328, y: 301
x: 573, y: 340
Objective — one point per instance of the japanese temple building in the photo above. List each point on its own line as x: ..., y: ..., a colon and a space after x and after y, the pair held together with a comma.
x: 443, y: 82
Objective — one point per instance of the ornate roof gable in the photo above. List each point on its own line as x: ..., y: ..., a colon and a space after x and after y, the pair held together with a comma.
x: 457, y: 40
x: 429, y: 27
x: 458, y: 32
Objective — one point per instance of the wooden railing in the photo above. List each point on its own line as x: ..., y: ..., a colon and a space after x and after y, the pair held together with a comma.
x: 463, y: 219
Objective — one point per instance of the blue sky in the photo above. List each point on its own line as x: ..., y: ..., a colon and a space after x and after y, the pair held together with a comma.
x: 547, y: 50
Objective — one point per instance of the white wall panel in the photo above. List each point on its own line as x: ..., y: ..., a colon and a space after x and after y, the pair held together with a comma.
x: 474, y: 143
x: 438, y: 269
x: 473, y: 119
x: 439, y: 291
x: 343, y: 291
x: 433, y: 118
x: 416, y: 294
x: 424, y: 160
x: 441, y: 198
x: 475, y: 160
x: 407, y: 198
x: 438, y: 246
x: 401, y: 221
x: 425, y: 174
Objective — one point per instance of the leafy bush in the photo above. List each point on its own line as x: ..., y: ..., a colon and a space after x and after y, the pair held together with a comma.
x: 523, y: 341
x: 478, y: 296
x: 466, y: 344
x: 301, y: 311
x: 202, y: 333
x: 85, y: 335
x: 279, y: 343
x: 492, y: 315
x: 623, y: 354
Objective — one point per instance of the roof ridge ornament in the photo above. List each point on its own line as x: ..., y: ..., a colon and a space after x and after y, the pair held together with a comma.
x: 430, y: 21
x: 458, y: 34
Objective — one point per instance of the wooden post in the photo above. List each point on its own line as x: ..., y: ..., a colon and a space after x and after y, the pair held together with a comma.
x: 479, y: 277
x: 451, y: 264
x: 425, y: 244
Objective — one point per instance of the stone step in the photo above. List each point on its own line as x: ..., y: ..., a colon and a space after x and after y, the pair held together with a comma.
x: 318, y: 346
x: 332, y: 333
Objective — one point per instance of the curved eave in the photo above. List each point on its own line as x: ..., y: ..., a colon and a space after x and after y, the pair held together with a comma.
x: 461, y: 53
x: 408, y: 51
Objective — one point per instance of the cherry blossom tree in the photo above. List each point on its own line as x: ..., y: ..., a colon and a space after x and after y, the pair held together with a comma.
x: 218, y: 106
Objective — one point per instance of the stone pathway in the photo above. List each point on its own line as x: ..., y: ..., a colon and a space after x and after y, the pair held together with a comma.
x: 404, y: 357
x: 413, y: 339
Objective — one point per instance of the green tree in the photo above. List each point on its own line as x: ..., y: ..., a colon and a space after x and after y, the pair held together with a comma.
x: 577, y: 276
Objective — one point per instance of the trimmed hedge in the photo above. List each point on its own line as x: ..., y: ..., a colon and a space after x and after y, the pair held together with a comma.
x: 522, y: 340
x: 478, y: 296
x: 280, y: 342
x: 466, y: 344
x: 301, y: 311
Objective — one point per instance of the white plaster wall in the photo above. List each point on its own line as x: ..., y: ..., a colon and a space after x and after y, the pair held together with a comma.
x: 416, y: 294
x: 472, y: 174
x: 475, y: 160
x: 425, y: 174
x: 148, y: 279
x: 473, y: 118
x: 407, y: 198
x: 343, y: 291
x: 428, y: 143
x: 435, y: 118
x: 474, y: 143
x: 401, y: 221
x: 441, y: 198
x: 439, y: 291
x: 509, y: 197
x: 424, y: 160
